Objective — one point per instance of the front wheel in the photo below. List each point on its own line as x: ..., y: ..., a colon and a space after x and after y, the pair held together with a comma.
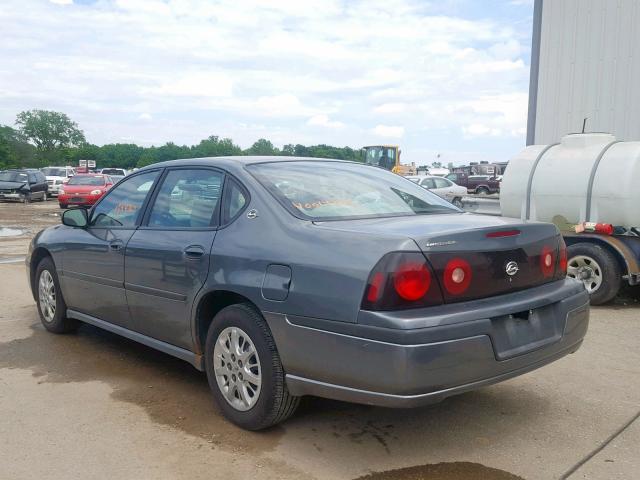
x: 482, y: 191
x: 457, y: 202
x: 597, y: 268
x: 51, y: 306
x: 244, y: 369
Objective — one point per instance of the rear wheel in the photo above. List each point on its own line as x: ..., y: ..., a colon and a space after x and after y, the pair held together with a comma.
x: 63, y: 205
x: 44, y: 197
x: 457, y: 202
x: 51, y: 305
x: 597, y: 268
x: 482, y: 191
x: 244, y: 369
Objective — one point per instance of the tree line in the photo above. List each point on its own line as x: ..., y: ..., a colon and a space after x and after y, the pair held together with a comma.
x: 42, y: 137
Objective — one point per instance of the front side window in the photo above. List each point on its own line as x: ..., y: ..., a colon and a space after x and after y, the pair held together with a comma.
x: 428, y: 183
x: 187, y: 199
x: 320, y: 190
x: 121, y: 206
x: 441, y: 183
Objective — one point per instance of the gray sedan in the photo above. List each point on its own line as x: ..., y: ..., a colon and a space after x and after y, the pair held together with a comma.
x: 285, y: 277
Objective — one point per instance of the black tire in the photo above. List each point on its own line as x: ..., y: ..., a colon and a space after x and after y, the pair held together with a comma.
x: 457, y: 202
x: 274, y: 404
x: 44, y: 197
x: 611, y: 272
x: 63, y: 206
x: 59, y: 323
x: 26, y: 199
x: 482, y: 191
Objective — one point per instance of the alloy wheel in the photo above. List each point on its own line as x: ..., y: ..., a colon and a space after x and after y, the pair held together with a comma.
x: 47, y: 296
x: 237, y: 368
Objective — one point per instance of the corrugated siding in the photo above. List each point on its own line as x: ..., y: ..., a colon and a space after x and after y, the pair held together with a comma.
x: 589, y: 67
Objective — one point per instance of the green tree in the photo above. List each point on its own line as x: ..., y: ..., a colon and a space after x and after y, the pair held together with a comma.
x: 49, y: 130
x: 262, y: 147
x: 215, y: 147
x: 15, y: 151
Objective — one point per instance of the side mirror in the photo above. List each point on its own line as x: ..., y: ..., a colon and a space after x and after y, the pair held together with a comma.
x: 76, y: 217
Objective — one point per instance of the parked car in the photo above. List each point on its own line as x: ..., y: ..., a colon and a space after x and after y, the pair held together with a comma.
x: 442, y: 187
x: 56, y: 177
x: 288, y: 277
x: 120, y: 172
x: 84, y: 190
x: 23, y: 185
x: 479, y: 184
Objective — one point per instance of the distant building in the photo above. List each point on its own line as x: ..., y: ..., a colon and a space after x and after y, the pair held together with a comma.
x: 585, y: 62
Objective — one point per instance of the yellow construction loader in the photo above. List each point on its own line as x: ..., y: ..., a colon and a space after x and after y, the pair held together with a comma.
x: 388, y: 157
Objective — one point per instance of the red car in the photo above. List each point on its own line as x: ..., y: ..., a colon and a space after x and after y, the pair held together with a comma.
x: 84, y: 190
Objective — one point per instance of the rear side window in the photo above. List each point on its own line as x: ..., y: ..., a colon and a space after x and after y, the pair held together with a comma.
x: 121, y: 206
x: 187, y: 199
x: 235, y: 201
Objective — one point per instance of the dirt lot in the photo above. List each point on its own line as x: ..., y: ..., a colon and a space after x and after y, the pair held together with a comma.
x: 94, y: 405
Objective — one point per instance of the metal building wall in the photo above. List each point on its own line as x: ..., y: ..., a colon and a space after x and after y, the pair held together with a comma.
x: 588, y: 66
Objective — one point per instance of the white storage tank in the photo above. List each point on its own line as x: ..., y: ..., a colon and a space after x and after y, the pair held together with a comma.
x: 586, y: 177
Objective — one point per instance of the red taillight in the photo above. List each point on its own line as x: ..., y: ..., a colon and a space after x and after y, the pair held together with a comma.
x: 547, y: 262
x: 562, y: 260
x: 401, y: 280
x: 412, y: 281
x: 375, y: 287
x: 457, y: 276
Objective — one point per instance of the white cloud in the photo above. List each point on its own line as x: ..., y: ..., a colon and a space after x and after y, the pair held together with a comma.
x: 196, y: 84
x: 322, y: 120
x: 388, y: 131
x: 318, y: 71
x: 145, y: 116
x: 62, y: 2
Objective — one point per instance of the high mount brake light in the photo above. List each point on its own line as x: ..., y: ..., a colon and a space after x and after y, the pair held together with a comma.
x: 399, y: 281
x: 503, y: 233
x: 457, y: 276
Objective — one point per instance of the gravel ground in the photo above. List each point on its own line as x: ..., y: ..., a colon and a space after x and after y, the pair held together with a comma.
x: 94, y: 405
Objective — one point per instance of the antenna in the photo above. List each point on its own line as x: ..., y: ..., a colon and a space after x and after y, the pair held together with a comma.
x: 584, y: 124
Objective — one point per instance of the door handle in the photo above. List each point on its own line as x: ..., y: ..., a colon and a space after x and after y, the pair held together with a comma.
x: 194, y: 251
x: 115, y: 245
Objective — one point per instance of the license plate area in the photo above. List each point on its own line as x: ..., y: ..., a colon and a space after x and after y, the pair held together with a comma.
x: 525, y: 331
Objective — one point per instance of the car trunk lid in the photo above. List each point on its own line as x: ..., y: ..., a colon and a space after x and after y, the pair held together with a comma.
x: 502, y: 255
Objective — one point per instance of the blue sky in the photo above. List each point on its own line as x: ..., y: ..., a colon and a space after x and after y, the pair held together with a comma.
x: 447, y: 77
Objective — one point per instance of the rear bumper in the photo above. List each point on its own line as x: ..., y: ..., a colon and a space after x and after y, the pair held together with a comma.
x: 397, y: 367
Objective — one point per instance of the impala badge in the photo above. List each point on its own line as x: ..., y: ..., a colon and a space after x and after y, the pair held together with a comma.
x: 511, y: 268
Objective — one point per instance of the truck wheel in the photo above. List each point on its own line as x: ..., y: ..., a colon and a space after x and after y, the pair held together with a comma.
x: 597, y: 268
x: 244, y: 369
x: 482, y: 191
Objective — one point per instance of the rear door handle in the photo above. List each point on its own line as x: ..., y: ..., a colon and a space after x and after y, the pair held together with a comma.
x: 115, y: 245
x: 194, y: 251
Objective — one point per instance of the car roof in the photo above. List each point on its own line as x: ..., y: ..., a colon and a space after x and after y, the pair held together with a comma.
x: 240, y: 161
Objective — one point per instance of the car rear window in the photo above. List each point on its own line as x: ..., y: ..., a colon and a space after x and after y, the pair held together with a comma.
x: 322, y: 190
x: 86, y: 180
